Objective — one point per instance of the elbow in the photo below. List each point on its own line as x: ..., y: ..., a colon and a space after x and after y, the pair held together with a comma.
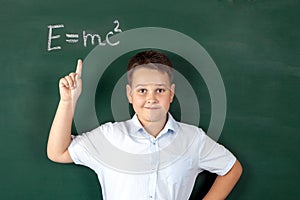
x: 54, y: 158
x: 51, y: 156
x: 59, y: 157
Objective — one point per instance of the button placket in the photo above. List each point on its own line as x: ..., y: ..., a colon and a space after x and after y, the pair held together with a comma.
x: 154, y: 163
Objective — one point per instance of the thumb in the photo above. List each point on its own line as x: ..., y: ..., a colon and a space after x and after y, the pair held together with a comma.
x: 79, y: 68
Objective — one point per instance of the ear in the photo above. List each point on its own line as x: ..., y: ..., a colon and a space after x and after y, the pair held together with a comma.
x: 172, y: 88
x: 128, y: 93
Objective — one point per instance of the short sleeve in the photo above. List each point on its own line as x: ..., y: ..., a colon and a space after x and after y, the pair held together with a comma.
x: 214, y: 157
x: 77, y: 150
x: 81, y: 148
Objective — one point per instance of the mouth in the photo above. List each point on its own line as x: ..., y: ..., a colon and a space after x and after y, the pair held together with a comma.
x: 152, y: 108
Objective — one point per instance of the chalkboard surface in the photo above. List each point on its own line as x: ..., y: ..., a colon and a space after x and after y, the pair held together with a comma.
x: 254, y: 44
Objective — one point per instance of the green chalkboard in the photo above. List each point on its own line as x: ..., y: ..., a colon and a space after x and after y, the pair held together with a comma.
x: 254, y: 45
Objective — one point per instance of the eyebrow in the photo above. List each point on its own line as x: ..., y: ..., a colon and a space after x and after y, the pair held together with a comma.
x: 142, y: 85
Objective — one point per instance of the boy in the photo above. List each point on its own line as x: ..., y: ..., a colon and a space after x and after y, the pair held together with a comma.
x: 152, y: 131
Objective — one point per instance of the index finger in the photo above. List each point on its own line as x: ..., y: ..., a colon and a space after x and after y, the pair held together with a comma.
x: 79, y: 67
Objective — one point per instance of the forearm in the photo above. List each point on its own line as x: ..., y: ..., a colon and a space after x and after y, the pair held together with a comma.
x: 60, y: 132
x: 224, y: 184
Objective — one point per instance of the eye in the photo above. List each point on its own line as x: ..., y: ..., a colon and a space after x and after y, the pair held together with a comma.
x: 142, y: 91
x: 160, y: 90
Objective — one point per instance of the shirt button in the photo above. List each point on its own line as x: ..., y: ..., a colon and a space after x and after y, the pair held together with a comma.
x: 151, y: 197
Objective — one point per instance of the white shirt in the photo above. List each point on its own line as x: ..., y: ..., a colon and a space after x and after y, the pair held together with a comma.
x: 132, y: 164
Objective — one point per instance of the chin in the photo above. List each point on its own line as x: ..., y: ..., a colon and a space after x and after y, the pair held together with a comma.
x: 153, y: 117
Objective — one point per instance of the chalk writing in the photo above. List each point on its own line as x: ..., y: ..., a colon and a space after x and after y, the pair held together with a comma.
x: 72, y: 38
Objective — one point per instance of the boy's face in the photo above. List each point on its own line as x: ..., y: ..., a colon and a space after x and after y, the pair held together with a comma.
x: 150, y: 95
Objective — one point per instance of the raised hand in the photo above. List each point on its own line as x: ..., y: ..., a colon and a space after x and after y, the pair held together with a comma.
x: 70, y: 86
x: 59, y: 140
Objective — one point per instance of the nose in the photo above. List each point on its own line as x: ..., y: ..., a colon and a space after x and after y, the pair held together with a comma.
x: 151, y: 98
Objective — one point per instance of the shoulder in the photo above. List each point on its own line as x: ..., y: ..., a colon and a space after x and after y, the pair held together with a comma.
x: 191, y: 135
x: 108, y: 129
x: 115, y: 130
x: 190, y: 129
x: 182, y: 127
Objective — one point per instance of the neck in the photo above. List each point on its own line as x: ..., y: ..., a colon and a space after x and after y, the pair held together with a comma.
x: 154, y: 128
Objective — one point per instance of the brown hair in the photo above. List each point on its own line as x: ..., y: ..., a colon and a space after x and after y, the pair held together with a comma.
x: 160, y: 60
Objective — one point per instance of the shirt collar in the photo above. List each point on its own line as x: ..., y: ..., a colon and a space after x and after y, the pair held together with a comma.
x: 135, y: 124
x: 170, y: 127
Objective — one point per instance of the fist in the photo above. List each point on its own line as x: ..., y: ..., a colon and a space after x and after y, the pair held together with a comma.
x: 70, y: 86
